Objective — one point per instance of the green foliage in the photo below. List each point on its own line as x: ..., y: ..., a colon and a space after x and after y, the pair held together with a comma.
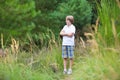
x: 34, y: 17
x: 45, y: 21
x: 45, y: 5
x: 17, y: 17
x: 94, y: 10
x: 80, y: 9
x: 41, y: 39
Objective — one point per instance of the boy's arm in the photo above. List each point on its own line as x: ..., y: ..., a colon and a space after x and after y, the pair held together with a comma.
x: 62, y: 33
x: 70, y: 34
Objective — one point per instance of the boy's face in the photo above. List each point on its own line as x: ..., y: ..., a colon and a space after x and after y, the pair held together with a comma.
x: 68, y: 22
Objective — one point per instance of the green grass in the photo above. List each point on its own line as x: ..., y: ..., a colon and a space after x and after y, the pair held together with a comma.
x: 21, y: 72
x: 102, y: 66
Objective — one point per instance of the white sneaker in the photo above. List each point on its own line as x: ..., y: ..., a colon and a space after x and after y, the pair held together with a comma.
x: 65, y: 72
x: 69, y: 71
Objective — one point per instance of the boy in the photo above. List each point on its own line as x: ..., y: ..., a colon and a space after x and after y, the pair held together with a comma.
x: 68, y: 32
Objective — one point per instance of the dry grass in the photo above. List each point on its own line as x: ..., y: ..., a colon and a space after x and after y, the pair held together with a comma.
x: 118, y: 2
x: 91, y: 42
x: 115, y: 33
x: 2, y: 41
x: 112, y: 50
x: 96, y: 26
x: 14, y: 46
x: 2, y: 53
x: 82, y: 42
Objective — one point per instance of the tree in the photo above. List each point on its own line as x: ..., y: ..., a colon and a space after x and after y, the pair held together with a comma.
x: 80, y: 9
x: 16, y: 17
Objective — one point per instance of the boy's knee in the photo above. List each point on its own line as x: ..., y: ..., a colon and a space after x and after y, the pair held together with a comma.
x: 71, y: 58
x: 65, y: 58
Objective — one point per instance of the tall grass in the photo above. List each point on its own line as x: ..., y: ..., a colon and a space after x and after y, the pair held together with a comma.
x: 45, y: 65
x: 108, y: 12
x: 2, y: 45
x: 34, y: 64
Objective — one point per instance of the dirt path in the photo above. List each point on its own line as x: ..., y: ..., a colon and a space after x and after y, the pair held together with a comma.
x: 68, y: 77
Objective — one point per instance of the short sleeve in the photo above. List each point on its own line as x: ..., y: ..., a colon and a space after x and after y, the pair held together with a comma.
x: 64, y: 28
x: 73, y: 29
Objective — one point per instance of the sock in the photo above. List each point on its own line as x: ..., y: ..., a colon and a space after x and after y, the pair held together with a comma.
x: 65, y: 69
x: 70, y: 69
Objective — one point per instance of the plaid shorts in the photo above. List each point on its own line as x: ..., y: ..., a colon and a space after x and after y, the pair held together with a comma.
x: 67, y: 51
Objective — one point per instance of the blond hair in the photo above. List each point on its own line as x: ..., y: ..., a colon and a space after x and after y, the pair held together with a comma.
x: 70, y: 18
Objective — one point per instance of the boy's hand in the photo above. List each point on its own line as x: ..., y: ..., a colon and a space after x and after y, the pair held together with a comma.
x: 62, y: 33
x: 70, y: 34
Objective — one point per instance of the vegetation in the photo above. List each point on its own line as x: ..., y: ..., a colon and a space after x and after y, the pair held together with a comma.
x: 109, y: 15
x: 31, y: 46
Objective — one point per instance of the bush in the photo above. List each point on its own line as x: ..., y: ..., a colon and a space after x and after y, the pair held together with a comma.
x: 80, y: 9
x: 16, y: 17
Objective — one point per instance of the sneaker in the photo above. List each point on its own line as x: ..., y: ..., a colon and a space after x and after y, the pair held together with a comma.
x: 64, y: 72
x: 69, y: 71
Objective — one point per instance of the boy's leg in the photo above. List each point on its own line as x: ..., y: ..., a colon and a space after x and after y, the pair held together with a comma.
x: 71, y: 55
x: 64, y: 56
x: 71, y: 63
x: 65, y: 64
x: 70, y: 66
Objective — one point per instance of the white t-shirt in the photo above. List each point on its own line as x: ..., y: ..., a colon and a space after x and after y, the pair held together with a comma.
x: 68, y: 40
